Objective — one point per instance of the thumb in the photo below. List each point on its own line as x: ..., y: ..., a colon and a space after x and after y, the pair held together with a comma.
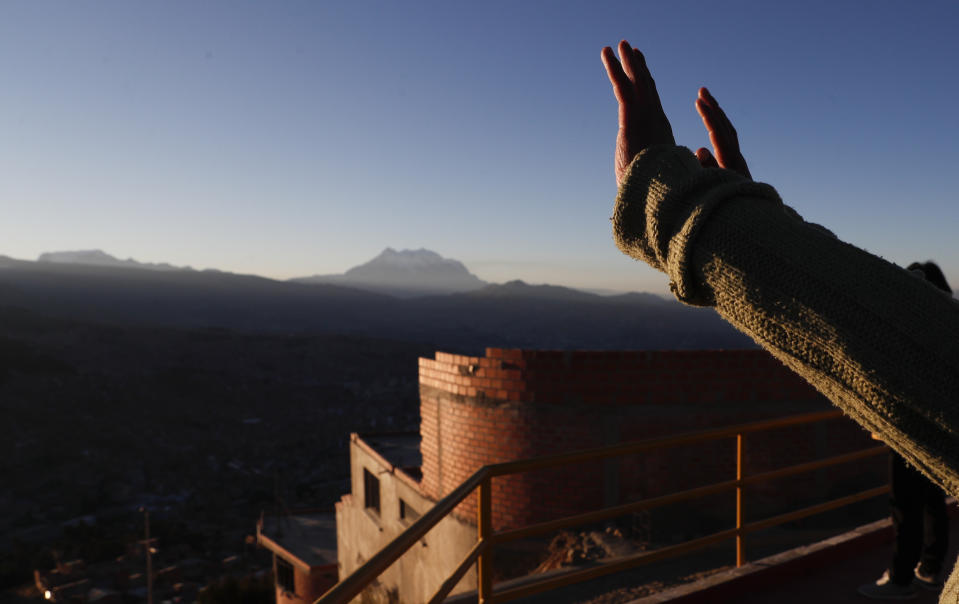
x: 706, y: 158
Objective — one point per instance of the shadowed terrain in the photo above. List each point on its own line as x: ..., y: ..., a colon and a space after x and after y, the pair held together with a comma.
x: 210, y: 396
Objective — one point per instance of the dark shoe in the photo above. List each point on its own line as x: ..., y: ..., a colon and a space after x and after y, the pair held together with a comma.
x: 884, y: 589
x: 929, y: 581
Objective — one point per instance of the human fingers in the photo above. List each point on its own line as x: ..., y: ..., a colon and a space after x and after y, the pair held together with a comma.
x: 712, y: 118
x: 706, y: 158
x: 647, y: 101
x: 717, y: 134
x: 626, y: 58
x: 722, y: 134
x: 649, y: 84
x: 624, y: 90
x: 642, y: 122
x: 719, y: 116
x: 623, y: 87
x: 634, y: 63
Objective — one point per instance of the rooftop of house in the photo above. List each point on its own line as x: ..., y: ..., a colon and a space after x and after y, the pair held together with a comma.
x: 309, y: 537
x: 399, y: 449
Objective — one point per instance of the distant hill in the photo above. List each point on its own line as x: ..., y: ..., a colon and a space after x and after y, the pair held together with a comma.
x: 521, y: 289
x: 553, y: 317
x: 405, y: 274
x: 188, y: 298
x: 101, y: 258
x: 514, y: 314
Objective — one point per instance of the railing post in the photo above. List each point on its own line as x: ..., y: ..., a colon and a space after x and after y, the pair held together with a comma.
x: 484, y: 528
x: 740, y: 546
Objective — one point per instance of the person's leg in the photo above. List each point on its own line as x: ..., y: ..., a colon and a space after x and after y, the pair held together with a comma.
x: 936, y: 531
x: 905, y: 507
x: 906, y: 504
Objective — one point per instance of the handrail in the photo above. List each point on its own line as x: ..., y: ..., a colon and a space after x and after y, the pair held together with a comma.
x: 629, y: 448
x: 605, y: 568
x: 654, y: 502
x: 352, y: 585
x: 671, y: 551
x: 611, y: 512
x: 813, y: 510
x: 454, y: 578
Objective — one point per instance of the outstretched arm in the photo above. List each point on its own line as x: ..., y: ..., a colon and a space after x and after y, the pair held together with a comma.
x: 879, y: 342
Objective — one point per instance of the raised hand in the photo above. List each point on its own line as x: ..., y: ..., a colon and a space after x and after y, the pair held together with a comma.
x: 642, y: 122
x: 722, y: 135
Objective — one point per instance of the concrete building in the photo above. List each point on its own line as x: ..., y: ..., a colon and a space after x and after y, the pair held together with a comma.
x: 304, y: 554
x: 386, y: 497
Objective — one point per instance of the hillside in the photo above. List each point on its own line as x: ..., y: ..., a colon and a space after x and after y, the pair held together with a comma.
x: 510, y: 315
x: 206, y: 427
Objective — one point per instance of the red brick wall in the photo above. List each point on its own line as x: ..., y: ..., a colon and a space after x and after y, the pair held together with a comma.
x: 616, y: 378
x: 514, y: 404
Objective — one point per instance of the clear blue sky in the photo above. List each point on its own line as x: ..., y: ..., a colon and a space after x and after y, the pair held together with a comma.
x: 293, y: 138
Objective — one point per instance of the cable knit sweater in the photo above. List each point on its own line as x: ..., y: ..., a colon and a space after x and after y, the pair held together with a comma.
x: 880, y: 342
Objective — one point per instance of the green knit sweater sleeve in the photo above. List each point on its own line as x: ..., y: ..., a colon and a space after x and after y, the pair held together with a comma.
x: 877, y: 340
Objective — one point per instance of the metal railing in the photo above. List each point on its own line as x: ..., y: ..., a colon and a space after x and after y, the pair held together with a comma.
x: 481, y: 552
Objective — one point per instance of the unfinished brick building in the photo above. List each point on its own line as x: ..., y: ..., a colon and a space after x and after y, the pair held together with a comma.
x: 515, y: 404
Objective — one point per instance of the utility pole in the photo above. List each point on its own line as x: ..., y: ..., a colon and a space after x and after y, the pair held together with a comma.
x: 148, y: 548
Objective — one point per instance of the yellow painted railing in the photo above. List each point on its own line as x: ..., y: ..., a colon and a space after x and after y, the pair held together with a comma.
x: 481, y: 553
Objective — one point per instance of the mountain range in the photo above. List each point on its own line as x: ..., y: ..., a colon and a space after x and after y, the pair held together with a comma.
x: 405, y: 274
x: 101, y: 258
x: 514, y: 314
